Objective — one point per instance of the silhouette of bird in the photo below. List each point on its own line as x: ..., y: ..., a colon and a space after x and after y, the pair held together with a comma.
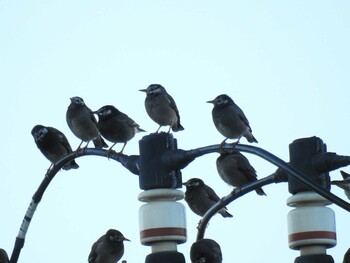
x: 3, y: 256
x: 235, y: 170
x: 201, y: 197
x: 230, y: 120
x: 343, y: 184
x: 82, y: 123
x: 109, y: 248
x: 346, y: 258
x: 53, y: 144
x: 116, y: 126
x: 161, y: 108
x: 205, y: 251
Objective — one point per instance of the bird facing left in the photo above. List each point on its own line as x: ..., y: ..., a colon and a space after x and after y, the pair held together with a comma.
x: 109, y: 248
x: 53, y: 144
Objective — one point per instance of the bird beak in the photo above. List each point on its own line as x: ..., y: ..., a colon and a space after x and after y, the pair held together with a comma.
x: 125, y: 239
x: 143, y: 90
x: 185, y: 183
x: 210, y: 101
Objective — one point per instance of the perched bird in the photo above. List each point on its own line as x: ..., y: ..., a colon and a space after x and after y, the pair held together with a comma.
x: 161, y: 108
x: 109, y: 248
x: 230, y: 120
x: 116, y: 126
x: 235, y: 170
x: 205, y: 251
x: 201, y: 197
x: 53, y: 145
x: 344, y: 184
x: 3, y: 256
x: 82, y: 123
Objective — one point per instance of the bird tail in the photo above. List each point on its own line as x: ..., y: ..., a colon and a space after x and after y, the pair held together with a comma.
x: 71, y: 165
x: 250, y: 138
x: 99, y: 142
x: 260, y: 191
x: 224, y: 213
x: 177, y: 127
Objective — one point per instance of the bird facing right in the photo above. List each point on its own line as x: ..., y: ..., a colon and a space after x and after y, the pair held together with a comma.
x: 82, y: 123
x: 230, y: 120
x: 235, y: 170
x: 201, y: 197
x: 161, y: 107
x: 205, y: 251
x: 109, y: 248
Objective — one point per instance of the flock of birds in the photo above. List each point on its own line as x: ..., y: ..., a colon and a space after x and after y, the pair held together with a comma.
x: 117, y: 127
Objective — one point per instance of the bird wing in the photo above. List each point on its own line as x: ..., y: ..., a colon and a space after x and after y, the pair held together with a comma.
x: 244, y: 166
x: 242, y: 117
x: 173, y: 105
x: 63, y: 139
x: 211, y: 193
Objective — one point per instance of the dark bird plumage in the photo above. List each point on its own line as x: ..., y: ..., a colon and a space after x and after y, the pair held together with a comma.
x: 53, y: 144
x: 346, y: 258
x: 230, y: 120
x: 235, y: 170
x: 343, y: 184
x: 116, y: 126
x: 205, y: 251
x: 82, y: 123
x: 201, y: 197
x: 161, y: 108
x: 3, y: 256
x: 109, y: 248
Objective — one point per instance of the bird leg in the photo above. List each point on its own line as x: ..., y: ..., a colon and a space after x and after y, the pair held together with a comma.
x: 158, y: 129
x: 222, y: 144
x: 109, y: 150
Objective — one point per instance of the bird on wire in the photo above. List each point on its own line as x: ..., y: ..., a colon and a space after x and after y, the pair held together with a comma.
x: 53, y: 144
x: 161, y: 108
x: 109, y: 248
x: 83, y: 124
x: 116, y: 126
x: 201, y: 197
x: 205, y: 251
x: 343, y: 184
x: 235, y: 170
x: 230, y: 120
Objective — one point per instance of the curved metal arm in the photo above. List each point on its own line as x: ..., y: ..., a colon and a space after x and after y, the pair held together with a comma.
x: 245, y: 189
x: 129, y: 162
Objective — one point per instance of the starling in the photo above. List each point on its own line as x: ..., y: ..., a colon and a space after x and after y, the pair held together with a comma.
x: 161, y: 108
x: 53, y: 145
x: 230, y: 120
x: 235, y: 170
x: 82, y: 123
x: 344, y: 184
x: 3, y: 256
x: 109, y: 248
x: 205, y: 251
x: 200, y: 197
x: 116, y: 126
x: 346, y: 258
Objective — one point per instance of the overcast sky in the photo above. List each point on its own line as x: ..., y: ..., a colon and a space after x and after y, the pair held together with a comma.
x: 285, y: 63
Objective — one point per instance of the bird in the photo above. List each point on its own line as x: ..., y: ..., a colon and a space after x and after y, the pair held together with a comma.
x: 3, y: 256
x: 116, y: 126
x: 109, y: 248
x: 343, y: 184
x: 201, y: 197
x: 235, y: 169
x: 230, y: 120
x: 205, y: 250
x: 82, y: 123
x: 161, y: 108
x: 53, y: 144
x: 346, y: 258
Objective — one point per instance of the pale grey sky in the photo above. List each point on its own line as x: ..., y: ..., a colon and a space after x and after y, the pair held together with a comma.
x: 286, y: 64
